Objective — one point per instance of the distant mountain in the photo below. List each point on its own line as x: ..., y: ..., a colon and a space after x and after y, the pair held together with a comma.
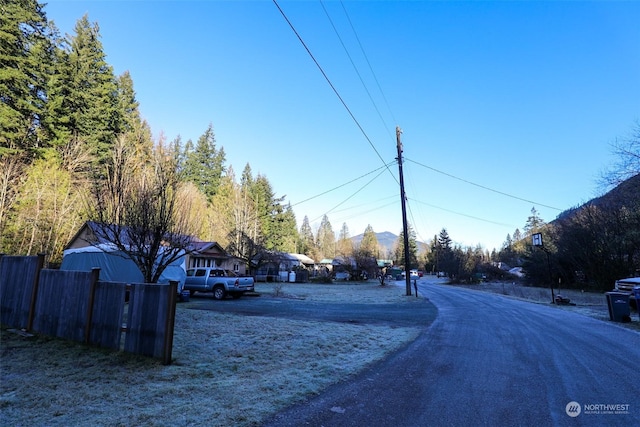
x: 387, y: 241
x: 626, y: 193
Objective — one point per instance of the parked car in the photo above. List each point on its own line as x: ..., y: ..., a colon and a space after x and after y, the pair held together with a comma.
x: 413, y: 274
x: 342, y: 275
x: 626, y: 286
x: 220, y: 282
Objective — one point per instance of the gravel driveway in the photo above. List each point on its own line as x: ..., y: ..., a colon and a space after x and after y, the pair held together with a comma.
x: 420, y: 313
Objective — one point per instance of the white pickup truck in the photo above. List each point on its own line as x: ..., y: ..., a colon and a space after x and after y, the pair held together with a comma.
x: 220, y: 282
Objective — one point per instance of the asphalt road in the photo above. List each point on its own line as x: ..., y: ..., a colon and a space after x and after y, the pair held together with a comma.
x: 491, y: 361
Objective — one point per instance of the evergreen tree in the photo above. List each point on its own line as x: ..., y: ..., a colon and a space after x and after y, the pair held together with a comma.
x: 534, y: 223
x: 519, y: 245
x: 445, y: 256
x: 277, y: 223
x: 366, y: 254
x: 89, y: 104
x: 326, y: 239
x: 307, y: 243
x: 204, y: 163
x: 344, y: 245
x: 136, y: 130
x: 127, y: 102
x: 444, y: 241
x: 369, y: 244
x: 508, y: 253
x: 26, y: 58
x: 266, y: 206
x: 507, y: 242
x: 412, y: 262
x: 284, y: 235
x: 57, y: 120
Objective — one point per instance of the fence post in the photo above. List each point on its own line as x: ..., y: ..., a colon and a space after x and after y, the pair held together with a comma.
x: 34, y: 291
x: 170, y: 322
x: 95, y: 276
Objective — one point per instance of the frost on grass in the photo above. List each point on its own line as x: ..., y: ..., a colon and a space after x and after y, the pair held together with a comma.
x: 218, y: 378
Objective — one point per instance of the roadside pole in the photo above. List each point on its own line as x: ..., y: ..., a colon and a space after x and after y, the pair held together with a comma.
x: 405, y: 229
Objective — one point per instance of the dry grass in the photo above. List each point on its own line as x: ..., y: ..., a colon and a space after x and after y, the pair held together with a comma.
x: 228, y: 369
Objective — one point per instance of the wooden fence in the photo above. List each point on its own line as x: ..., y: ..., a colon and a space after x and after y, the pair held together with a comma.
x: 76, y: 305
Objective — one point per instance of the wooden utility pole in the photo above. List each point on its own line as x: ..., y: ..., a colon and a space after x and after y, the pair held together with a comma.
x: 405, y: 228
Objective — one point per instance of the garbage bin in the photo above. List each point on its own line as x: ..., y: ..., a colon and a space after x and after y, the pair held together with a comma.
x: 636, y: 294
x: 618, y: 304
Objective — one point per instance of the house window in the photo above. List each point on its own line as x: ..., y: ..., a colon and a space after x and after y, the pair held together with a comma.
x: 236, y: 267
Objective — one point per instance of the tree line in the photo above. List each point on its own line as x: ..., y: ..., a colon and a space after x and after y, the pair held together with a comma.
x: 73, y: 147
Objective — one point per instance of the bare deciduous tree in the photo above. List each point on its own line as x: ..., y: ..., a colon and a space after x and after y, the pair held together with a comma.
x: 11, y: 169
x: 245, y: 240
x: 136, y: 209
x: 627, y: 164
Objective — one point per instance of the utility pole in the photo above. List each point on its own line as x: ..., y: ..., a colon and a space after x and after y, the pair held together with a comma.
x: 405, y: 229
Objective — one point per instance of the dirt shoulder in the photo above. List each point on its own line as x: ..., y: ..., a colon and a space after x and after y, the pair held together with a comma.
x: 590, y: 304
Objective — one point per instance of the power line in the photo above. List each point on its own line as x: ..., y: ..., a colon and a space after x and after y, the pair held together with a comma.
x: 368, y: 63
x: 361, y: 213
x: 355, y: 68
x: 344, y: 104
x: 482, y: 186
x: 341, y: 185
x: 412, y: 201
x: 465, y: 215
x: 369, y: 203
x: 356, y: 192
x: 414, y: 222
x: 386, y: 165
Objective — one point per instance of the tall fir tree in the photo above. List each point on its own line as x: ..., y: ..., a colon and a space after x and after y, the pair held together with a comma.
x: 136, y: 130
x: 326, y: 239
x: 445, y: 254
x: 26, y: 59
x: 413, y: 249
x: 307, y: 243
x: 344, y: 245
x: 204, y: 163
x: 534, y: 223
x: 91, y: 106
x: 268, y: 209
x: 284, y: 235
x: 369, y: 244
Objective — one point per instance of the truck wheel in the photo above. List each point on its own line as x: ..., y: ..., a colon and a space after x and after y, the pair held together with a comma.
x: 218, y: 292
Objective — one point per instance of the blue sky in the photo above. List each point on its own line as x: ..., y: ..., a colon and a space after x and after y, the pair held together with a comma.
x: 504, y: 106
